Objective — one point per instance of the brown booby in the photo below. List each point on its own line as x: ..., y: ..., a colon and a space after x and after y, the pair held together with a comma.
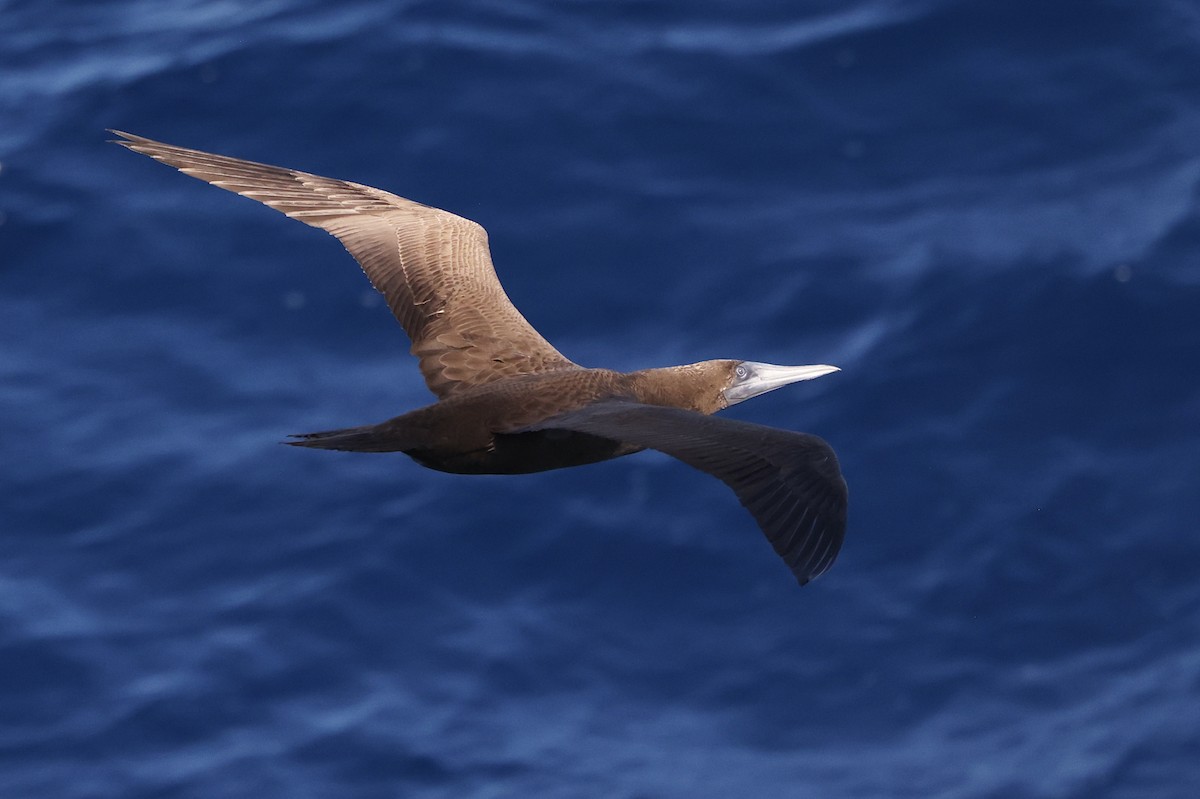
x: 509, y: 402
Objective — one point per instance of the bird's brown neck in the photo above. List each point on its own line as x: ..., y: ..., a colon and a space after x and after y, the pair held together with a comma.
x: 693, y: 387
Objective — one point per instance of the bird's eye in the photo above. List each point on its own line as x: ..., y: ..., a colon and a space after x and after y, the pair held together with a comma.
x: 741, y: 372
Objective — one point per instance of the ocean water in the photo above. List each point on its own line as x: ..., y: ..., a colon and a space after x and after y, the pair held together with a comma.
x: 988, y: 214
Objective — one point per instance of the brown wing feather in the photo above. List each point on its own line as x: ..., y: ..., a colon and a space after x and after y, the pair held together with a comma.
x: 433, y: 268
x: 790, y: 482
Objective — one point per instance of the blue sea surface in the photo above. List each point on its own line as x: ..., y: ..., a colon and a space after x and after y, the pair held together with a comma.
x: 987, y: 214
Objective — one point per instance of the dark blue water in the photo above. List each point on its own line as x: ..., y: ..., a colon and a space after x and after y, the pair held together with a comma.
x: 988, y: 214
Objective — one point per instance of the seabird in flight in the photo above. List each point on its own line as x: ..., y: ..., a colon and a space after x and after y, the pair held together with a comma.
x: 507, y: 401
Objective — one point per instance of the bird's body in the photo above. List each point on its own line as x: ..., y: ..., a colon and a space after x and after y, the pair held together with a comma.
x: 508, y: 402
x: 478, y: 430
x: 487, y: 429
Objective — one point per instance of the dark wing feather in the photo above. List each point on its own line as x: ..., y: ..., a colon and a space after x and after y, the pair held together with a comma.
x: 790, y: 482
x: 434, y: 268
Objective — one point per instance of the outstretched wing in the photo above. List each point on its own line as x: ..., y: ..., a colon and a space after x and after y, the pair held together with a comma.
x: 790, y: 482
x: 434, y: 268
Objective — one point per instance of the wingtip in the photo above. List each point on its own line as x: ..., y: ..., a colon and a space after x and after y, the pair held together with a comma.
x: 132, y: 141
x: 126, y: 140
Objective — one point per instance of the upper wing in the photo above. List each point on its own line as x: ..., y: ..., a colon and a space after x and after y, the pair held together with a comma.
x: 790, y: 482
x: 433, y: 267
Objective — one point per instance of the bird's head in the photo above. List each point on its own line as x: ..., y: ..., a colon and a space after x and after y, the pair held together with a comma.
x: 748, y: 379
x: 709, y: 386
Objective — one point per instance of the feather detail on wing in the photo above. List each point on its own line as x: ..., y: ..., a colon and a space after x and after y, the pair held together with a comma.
x: 434, y: 268
x: 790, y: 482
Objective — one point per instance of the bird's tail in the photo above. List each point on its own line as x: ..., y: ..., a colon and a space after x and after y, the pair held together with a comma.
x: 367, y: 438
